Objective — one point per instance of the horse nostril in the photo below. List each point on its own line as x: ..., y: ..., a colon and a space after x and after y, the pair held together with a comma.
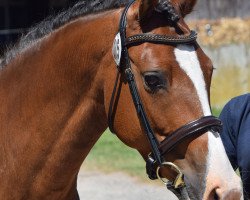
x: 216, y: 197
x: 229, y: 194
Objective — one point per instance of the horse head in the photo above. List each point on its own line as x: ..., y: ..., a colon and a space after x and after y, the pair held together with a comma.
x: 169, y: 77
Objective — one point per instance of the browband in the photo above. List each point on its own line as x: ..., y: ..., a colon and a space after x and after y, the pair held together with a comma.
x: 161, y: 39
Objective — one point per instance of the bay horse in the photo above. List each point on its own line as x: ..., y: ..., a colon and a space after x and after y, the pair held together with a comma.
x: 57, y: 97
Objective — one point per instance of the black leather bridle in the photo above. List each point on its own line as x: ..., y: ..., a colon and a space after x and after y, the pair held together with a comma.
x: 193, y: 129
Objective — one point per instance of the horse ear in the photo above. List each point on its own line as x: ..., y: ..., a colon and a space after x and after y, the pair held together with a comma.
x: 145, y: 7
x: 185, y: 6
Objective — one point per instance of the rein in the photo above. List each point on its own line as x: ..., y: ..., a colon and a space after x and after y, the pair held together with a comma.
x: 195, y: 128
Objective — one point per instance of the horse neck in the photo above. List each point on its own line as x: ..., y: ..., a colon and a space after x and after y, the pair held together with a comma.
x: 55, y: 112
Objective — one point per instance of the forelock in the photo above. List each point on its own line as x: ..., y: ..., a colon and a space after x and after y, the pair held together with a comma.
x: 166, y: 7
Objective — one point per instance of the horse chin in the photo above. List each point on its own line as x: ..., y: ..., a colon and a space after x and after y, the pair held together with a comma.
x: 190, y: 193
x: 185, y: 194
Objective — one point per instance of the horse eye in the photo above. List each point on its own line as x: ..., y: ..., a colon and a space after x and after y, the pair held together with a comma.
x: 154, y: 81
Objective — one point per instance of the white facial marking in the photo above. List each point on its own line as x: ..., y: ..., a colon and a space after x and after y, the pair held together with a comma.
x: 218, y: 166
x: 187, y: 58
x: 219, y: 170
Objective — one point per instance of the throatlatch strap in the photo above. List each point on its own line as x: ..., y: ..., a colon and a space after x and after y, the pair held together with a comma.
x: 111, y: 104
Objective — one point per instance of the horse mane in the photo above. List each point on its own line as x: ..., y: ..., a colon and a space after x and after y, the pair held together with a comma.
x: 81, y: 8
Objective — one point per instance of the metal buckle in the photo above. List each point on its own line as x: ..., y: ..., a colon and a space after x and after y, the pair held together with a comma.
x: 179, y: 180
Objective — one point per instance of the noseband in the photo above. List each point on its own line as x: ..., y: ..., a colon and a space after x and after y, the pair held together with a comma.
x: 195, y: 128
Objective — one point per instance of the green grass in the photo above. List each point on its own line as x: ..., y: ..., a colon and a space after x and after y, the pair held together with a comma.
x: 110, y: 154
